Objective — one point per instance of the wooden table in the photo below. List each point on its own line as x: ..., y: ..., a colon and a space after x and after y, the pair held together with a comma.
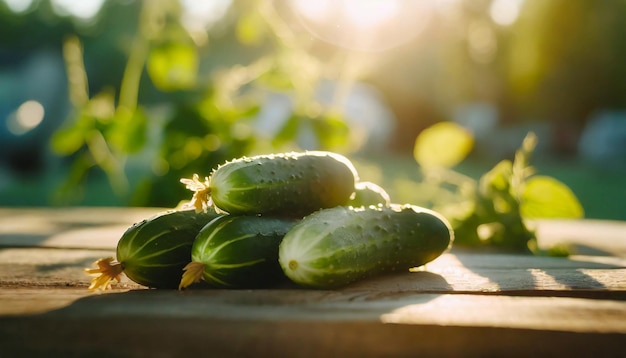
x: 463, y: 304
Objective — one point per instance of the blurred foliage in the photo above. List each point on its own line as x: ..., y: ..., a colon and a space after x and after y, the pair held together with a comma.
x: 559, y: 62
x: 146, y: 90
x: 576, y: 69
x: 444, y: 144
x: 494, y: 210
x: 201, y: 117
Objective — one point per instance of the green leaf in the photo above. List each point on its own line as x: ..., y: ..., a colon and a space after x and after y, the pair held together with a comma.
x: 173, y: 66
x: 331, y: 131
x: 497, y: 181
x: 444, y: 144
x: 67, y: 140
x: 137, y: 133
x: 288, y: 132
x: 277, y: 78
x: 546, y: 197
x: 250, y: 29
x: 129, y: 133
x: 101, y: 106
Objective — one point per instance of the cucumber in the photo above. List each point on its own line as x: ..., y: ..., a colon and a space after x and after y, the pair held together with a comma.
x: 337, y: 246
x: 368, y: 193
x: 238, y: 252
x: 154, y: 251
x: 287, y: 184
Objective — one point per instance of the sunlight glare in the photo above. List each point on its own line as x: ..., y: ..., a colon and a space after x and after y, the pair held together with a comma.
x: 371, y: 25
x: 314, y: 10
x: 200, y: 15
x: 366, y: 13
x: 447, y: 7
x: 83, y: 10
x: 204, y: 13
x: 505, y: 12
x: 362, y: 13
x: 18, y: 6
x: 27, y: 116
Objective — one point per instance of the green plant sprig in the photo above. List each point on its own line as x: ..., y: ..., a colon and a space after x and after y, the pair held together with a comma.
x: 498, y: 206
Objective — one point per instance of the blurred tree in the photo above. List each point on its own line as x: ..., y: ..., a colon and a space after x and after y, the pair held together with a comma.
x: 557, y: 61
x: 566, y: 61
x: 457, y: 59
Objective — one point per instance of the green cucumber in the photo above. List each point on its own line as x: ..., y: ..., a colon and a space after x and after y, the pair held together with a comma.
x: 287, y: 184
x: 154, y: 252
x: 238, y: 251
x: 368, y: 193
x: 337, y: 246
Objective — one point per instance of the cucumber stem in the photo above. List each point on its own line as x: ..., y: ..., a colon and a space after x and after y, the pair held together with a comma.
x: 201, y: 199
x: 193, y: 274
x: 108, y: 269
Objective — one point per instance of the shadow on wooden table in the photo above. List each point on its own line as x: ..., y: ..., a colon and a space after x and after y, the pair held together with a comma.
x: 220, y: 322
x: 578, y: 276
x: 282, y: 322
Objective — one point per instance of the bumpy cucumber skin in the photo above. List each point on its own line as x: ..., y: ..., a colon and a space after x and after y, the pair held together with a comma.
x: 154, y: 251
x: 368, y: 193
x: 241, y: 251
x: 337, y: 246
x: 287, y: 184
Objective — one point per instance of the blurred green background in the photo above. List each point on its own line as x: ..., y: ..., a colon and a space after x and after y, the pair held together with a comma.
x: 111, y: 102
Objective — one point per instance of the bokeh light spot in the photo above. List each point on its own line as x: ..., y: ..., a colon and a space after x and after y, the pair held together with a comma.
x: 83, y: 10
x: 505, y: 12
x: 26, y: 118
x: 18, y: 6
x: 482, y: 42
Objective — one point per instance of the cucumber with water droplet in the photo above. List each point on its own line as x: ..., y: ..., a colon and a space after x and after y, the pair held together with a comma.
x: 337, y: 246
x: 238, y: 251
x: 287, y: 184
x: 153, y: 252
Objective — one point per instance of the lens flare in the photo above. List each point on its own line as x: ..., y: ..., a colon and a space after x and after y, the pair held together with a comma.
x: 369, y: 25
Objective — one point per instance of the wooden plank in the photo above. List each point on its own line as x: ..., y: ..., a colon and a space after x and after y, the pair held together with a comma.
x: 22, y: 301
x: 460, y: 272
x: 180, y: 337
x: 502, y: 272
x: 586, y: 237
x: 314, y: 323
x: 45, y: 267
x: 68, y: 227
x: 546, y: 313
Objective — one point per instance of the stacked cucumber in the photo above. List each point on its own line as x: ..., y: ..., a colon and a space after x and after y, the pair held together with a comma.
x: 259, y: 221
